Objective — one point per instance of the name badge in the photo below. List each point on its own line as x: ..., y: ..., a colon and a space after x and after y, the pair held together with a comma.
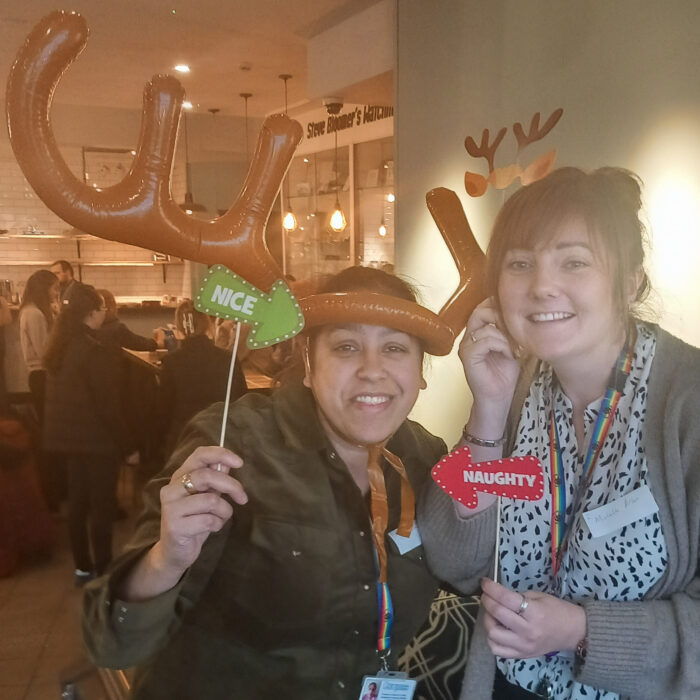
x: 406, y: 544
x: 613, y: 516
x: 387, y: 685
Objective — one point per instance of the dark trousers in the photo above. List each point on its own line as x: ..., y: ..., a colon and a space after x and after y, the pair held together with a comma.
x: 92, y: 481
x: 51, y: 465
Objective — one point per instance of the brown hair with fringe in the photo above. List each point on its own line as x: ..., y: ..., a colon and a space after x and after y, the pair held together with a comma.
x: 608, y: 200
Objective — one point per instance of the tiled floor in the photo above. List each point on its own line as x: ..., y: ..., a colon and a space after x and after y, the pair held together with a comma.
x: 40, y: 635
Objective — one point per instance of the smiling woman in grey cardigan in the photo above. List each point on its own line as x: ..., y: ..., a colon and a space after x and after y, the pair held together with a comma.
x: 605, y: 615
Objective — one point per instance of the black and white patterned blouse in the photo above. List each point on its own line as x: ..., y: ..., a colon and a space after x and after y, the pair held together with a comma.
x: 622, y: 565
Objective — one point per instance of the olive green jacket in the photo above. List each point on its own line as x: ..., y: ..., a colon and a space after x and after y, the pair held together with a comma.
x: 282, y: 602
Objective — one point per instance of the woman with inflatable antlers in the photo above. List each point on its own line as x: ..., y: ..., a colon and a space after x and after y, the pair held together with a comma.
x: 598, y: 595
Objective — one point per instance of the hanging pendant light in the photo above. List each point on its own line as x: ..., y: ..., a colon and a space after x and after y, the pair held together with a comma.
x: 189, y: 206
x: 245, y: 96
x: 382, y: 231
x: 217, y: 198
x: 338, y: 221
x: 289, y: 221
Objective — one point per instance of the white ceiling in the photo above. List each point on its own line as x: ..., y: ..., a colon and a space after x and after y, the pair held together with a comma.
x: 132, y: 40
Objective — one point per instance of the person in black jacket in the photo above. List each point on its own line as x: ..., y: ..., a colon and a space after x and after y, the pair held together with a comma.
x: 115, y: 334
x: 194, y: 376
x: 84, y: 421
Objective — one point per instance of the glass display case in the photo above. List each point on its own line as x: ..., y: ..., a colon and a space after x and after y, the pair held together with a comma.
x: 314, y: 182
x: 374, y: 203
x: 362, y: 182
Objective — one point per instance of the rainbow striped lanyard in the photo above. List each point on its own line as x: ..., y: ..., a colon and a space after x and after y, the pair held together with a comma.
x: 385, y: 623
x: 606, y: 414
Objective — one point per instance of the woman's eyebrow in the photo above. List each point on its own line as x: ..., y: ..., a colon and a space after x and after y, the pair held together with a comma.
x: 573, y: 244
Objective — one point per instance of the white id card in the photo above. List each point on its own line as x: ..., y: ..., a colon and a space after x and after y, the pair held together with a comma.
x: 633, y: 506
x: 387, y: 686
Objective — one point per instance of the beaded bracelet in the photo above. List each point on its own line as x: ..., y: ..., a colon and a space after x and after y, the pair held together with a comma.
x: 481, y: 442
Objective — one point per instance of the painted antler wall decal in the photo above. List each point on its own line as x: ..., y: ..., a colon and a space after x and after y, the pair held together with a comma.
x: 535, y: 133
x: 484, y: 150
x: 140, y: 209
x: 500, y: 178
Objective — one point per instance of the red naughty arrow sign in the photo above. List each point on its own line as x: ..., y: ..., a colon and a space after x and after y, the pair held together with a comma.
x: 520, y: 478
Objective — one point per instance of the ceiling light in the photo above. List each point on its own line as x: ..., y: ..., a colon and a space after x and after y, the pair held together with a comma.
x: 289, y: 221
x: 186, y: 105
x: 189, y: 205
x: 245, y: 96
x: 338, y: 221
x: 182, y: 68
x: 390, y: 197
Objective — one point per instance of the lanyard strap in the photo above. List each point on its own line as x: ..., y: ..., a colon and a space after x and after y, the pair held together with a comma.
x: 380, y: 517
x: 379, y: 503
x: 385, y: 623
x: 606, y: 415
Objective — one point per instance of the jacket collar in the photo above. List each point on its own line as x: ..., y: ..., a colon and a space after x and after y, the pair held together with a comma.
x: 295, y: 410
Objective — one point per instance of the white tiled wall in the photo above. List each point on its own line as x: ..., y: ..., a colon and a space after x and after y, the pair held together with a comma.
x: 22, y: 212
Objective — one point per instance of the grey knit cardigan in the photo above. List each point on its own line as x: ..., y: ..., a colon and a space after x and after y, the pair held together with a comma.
x: 643, y: 650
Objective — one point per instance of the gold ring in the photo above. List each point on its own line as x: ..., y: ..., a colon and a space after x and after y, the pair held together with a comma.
x: 472, y: 336
x: 523, y: 605
x: 189, y: 486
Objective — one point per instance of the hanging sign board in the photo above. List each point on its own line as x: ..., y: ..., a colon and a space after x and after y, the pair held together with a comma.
x: 354, y: 116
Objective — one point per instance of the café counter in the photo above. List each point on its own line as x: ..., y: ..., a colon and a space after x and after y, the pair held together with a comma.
x: 152, y: 360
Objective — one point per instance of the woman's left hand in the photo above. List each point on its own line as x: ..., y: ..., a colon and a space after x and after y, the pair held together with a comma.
x: 546, y: 624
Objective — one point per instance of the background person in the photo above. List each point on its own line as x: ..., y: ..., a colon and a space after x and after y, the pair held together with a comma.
x: 36, y: 317
x: 5, y: 320
x: 280, y: 601
x: 194, y: 376
x: 84, y: 422
x: 114, y: 333
x: 610, y: 614
x: 64, y: 273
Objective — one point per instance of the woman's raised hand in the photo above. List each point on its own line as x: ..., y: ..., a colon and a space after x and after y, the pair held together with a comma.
x: 192, y: 507
x: 189, y: 514
x: 489, y: 364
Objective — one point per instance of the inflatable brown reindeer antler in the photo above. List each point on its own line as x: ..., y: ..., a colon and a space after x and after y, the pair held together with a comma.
x: 449, y: 216
x: 140, y: 210
x: 438, y: 331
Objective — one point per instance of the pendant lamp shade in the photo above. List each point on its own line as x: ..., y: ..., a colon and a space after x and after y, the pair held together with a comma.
x: 289, y: 221
x: 189, y: 206
x: 338, y: 221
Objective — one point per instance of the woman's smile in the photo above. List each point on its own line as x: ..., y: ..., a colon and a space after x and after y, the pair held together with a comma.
x: 548, y: 316
x: 372, y: 400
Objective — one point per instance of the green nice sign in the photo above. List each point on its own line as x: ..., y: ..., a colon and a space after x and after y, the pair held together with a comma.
x: 274, y: 317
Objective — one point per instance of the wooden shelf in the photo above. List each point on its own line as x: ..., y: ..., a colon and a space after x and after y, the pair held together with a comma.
x: 49, y: 236
x: 96, y: 263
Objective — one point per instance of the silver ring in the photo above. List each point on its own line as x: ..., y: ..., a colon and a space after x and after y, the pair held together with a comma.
x: 523, y: 605
x: 189, y: 486
x: 472, y: 336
